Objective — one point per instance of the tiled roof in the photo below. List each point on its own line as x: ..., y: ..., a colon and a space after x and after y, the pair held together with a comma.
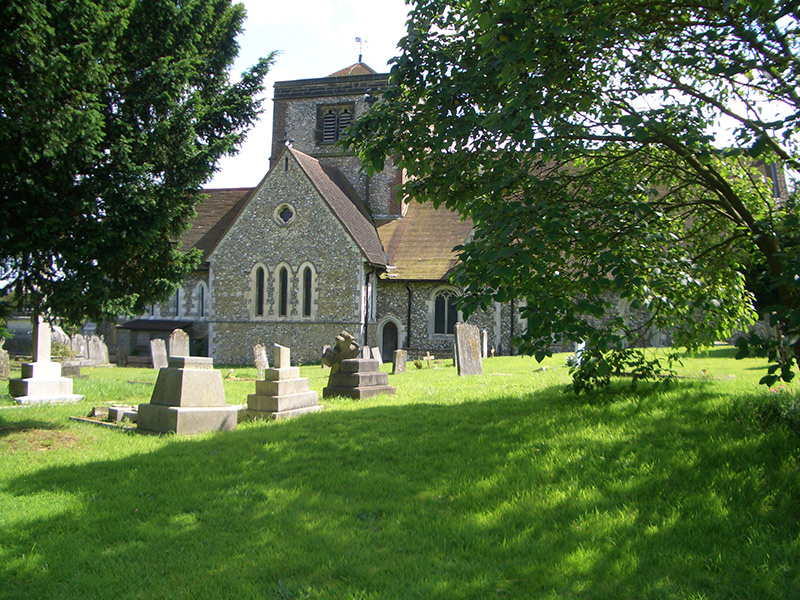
x: 419, y: 245
x: 345, y: 205
x: 357, y: 69
x: 214, y: 215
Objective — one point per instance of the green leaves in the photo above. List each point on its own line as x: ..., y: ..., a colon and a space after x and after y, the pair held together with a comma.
x: 581, y: 139
x: 113, y: 114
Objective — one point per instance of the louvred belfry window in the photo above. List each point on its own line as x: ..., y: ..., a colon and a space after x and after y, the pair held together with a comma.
x: 332, y: 121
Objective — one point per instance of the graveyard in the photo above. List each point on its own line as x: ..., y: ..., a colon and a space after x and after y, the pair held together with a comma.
x: 489, y: 485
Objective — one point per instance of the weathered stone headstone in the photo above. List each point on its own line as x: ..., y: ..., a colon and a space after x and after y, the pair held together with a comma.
x: 353, y: 377
x: 358, y: 378
x: 366, y: 352
x: 78, y: 345
x: 376, y: 354
x: 260, y: 358
x: 468, y: 349
x: 158, y: 354
x: 344, y: 347
x: 399, y: 362
x: 57, y: 336
x: 179, y: 343
x: 122, y: 357
x: 188, y: 398
x: 484, y: 344
x: 97, y: 350
x: 455, y: 356
x: 41, y: 381
x: 281, y: 356
x: 5, y: 362
x: 282, y: 393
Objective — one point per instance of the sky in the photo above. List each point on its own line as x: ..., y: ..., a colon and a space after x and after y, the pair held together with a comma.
x: 315, y: 38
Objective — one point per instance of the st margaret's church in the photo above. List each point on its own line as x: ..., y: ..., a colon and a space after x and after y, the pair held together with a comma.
x: 318, y: 247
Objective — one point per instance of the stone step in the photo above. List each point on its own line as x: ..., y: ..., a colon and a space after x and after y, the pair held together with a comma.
x: 282, y: 387
x: 358, y: 379
x: 359, y: 365
x: 263, y: 403
x: 358, y: 393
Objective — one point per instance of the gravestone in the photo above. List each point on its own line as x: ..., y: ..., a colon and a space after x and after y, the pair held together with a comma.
x: 366, y: 352
x: 179, y: 343
x: 468, y: 349
x: 344, y: 347
x: 41, y: 381
x: 158, y: 354
x: 122, y: 357
x: 358, y: 378
x: 399, y: 362
x: 97, y: 350
x: 350, y: 376
x: 455, y: 356
x: 188, y: 398
x: 484, y: 344
x: 376, y: 354
x: 282, y: 393
x: 260, y: 358
x: 78, y: 345
x: 5, y: 362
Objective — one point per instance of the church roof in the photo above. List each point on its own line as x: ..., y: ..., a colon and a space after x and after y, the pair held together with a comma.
x: 419, y: 245
x: 345, y: 205
x: 357, y: 69
x: 214, y: 215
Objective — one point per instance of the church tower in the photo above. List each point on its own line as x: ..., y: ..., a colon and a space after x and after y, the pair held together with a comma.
x: 311, y: 115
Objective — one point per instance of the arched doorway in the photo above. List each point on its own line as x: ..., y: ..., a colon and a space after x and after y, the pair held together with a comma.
x: 388, y: 340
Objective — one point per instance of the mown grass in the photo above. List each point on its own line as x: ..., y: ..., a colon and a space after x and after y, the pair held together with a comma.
x: 492, y: 486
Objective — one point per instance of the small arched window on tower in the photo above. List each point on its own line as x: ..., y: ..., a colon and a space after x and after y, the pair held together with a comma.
x: 283, y: 292
x: 260, y: 292
x: 332, y: 121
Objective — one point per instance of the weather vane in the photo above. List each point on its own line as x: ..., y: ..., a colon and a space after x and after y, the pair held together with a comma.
x: 360, y: 47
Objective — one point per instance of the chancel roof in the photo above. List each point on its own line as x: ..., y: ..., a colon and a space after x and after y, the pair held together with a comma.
x: 215, y: 214
x: 419, y: 245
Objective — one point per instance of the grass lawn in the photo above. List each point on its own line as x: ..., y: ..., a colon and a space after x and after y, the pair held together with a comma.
x: 493, y: 486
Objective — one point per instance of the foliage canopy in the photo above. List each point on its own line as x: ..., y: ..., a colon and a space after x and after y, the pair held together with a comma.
x: 613, y: 156
x: 113, y: 114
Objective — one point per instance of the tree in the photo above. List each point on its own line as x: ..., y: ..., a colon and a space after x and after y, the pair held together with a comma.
x: 113, y: 114
x: 611, y: 155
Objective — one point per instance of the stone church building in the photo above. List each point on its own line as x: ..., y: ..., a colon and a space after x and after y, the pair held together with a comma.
x: 318, y: 247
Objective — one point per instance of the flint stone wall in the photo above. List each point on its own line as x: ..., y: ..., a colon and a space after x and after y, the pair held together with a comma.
x: 316, y: 237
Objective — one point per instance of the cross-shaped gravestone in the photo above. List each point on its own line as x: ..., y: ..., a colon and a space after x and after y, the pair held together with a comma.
x: 429, y: 357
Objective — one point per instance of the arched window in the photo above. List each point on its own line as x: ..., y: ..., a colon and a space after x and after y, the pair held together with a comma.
x: 283, y: 292
x: 308, y: 281
x: 445, y: 313
x: 200, y: 300
x: 260, y: 276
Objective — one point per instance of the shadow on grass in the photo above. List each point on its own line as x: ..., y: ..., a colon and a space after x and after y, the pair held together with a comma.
x: 546, y: 496
x: 11, y: 427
